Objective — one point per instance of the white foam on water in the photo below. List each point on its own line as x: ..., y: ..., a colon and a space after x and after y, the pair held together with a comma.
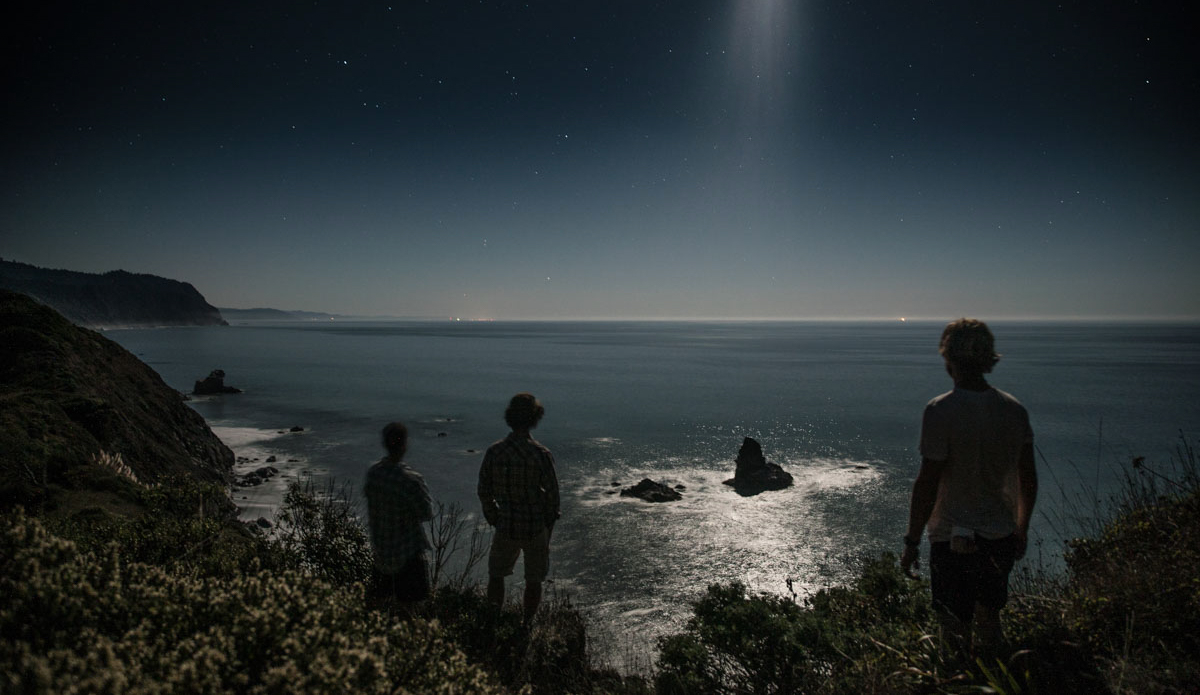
x: 252, y: 450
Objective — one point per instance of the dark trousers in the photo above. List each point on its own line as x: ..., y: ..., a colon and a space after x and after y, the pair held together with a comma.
x: 411, y: 583
x: 961, y: 580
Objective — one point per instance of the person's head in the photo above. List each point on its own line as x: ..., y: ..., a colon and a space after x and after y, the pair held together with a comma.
x: 968, y: 346
x: 523, y: 412
x: 395, y: 439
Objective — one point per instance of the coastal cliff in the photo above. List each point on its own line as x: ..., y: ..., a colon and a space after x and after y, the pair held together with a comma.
x: 76, y: 408
x: 113, y: 299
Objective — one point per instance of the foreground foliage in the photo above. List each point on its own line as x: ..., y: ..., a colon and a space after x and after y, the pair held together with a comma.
x: 159, y: 593
x: 74, y: 621
x: 1124, y: 619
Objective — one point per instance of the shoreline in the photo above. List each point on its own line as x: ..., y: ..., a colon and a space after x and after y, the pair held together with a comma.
x: 252, y: 451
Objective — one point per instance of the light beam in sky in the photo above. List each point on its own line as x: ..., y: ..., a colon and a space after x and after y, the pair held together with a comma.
x: 765, y: 37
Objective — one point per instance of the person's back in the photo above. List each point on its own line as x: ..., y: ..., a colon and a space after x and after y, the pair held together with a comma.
x: 518, y: 479
x: 980, y: 435
x: 397, y: 504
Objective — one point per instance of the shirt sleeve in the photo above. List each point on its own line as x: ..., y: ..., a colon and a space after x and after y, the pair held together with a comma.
x: 550, y: 485
x: 935, y: 440
x: 487, y: 498
x: 424, y: 505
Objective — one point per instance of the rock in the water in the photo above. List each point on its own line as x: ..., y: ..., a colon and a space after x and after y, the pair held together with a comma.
x: 257, y: 477
x: 754, y: 473
x: 652, y: 492
x: 213, y: 383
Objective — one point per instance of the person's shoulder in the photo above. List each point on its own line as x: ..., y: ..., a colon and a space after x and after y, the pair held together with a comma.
x: 939, y: 400
x: 409, y: 472
x: 1009, y: 399
x: 377, y: 468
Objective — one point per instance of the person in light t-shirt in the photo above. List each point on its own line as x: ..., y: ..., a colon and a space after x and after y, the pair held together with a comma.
x: 975, y: 490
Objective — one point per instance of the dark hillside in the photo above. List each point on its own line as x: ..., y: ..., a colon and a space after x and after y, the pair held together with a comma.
x: 113, y: 299
x: 76, y: 409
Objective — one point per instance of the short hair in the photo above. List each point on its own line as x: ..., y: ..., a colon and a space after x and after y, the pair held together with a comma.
x: 969, y: 345
x: 395, y: 437
x: 523, y: 412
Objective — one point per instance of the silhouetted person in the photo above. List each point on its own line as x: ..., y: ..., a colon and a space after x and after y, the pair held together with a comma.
x: 397, y: 504
x: 518, y: 489
x: 976, y: 489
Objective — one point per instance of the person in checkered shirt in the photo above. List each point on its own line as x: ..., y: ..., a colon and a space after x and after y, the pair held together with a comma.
x: 518, y: 489
x: 397, y: 504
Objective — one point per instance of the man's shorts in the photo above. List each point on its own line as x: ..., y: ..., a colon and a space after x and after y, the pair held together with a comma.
x: 503, y: 556
x: 411, y: 583
x: 961, y: 580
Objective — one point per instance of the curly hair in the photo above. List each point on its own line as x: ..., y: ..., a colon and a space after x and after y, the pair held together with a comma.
x: 969, y: 345
x: 523, y: 412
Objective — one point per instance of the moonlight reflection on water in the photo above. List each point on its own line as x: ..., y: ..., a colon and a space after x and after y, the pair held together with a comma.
x: 640, y: 565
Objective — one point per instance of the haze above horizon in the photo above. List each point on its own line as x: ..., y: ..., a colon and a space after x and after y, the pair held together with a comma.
x: 751, y: 159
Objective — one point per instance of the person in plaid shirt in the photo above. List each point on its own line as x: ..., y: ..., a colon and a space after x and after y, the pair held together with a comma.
x: 519, y: 492
x: 397, y: 504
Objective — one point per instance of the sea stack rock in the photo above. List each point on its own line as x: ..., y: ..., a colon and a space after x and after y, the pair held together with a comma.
x: 213, y: 383
x: 652, y: 492
x: 754, y: 473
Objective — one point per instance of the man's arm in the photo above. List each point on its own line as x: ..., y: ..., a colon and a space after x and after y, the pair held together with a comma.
x: 487, y: 499
x: 924, y: 497
x: 551, y: 487
x: 1027, y: 490
x: 424, y: 503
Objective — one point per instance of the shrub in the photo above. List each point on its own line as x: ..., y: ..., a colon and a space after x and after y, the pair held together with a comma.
x: 89, y: 622
x: 179, y: 524
x: 318, y: 530
x: 1133, y: 594
x: 836, y: 641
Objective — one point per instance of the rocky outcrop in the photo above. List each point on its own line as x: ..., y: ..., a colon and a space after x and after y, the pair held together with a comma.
x: 212, y: 384
x: 258, y: 476
x: 754, y: 473
x: 75, y: 406
x: 114, y: 299
x: 652, y: 492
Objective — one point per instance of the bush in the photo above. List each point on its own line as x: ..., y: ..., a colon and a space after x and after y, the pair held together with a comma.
x: 89, y: 622
x: 318, y: 530
x: 1134, y: 594
x: 181, y: 524
x: 837, y: 641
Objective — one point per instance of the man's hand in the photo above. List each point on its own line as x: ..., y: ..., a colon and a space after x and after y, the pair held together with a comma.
x: 1022, y: 539
x: 910, y: 558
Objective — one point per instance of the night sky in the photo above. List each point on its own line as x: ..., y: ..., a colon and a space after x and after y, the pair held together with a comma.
x: 577, y: 159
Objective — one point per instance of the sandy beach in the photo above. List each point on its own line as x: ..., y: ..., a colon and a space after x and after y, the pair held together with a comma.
x: 253, y: 450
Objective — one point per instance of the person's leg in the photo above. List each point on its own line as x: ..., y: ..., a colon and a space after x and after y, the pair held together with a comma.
x: 537, y: 566
x: 988, y: 634
x: 533, y: 599
x: 495, y: 591
x: 996, y: 562
x: 953, y: 577
x: 501, y: 560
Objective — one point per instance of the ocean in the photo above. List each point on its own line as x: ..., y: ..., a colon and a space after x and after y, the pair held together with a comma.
x: 837, y: 404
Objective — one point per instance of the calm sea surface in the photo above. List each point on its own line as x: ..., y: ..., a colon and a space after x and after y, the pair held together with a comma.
x: 837, y: 404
